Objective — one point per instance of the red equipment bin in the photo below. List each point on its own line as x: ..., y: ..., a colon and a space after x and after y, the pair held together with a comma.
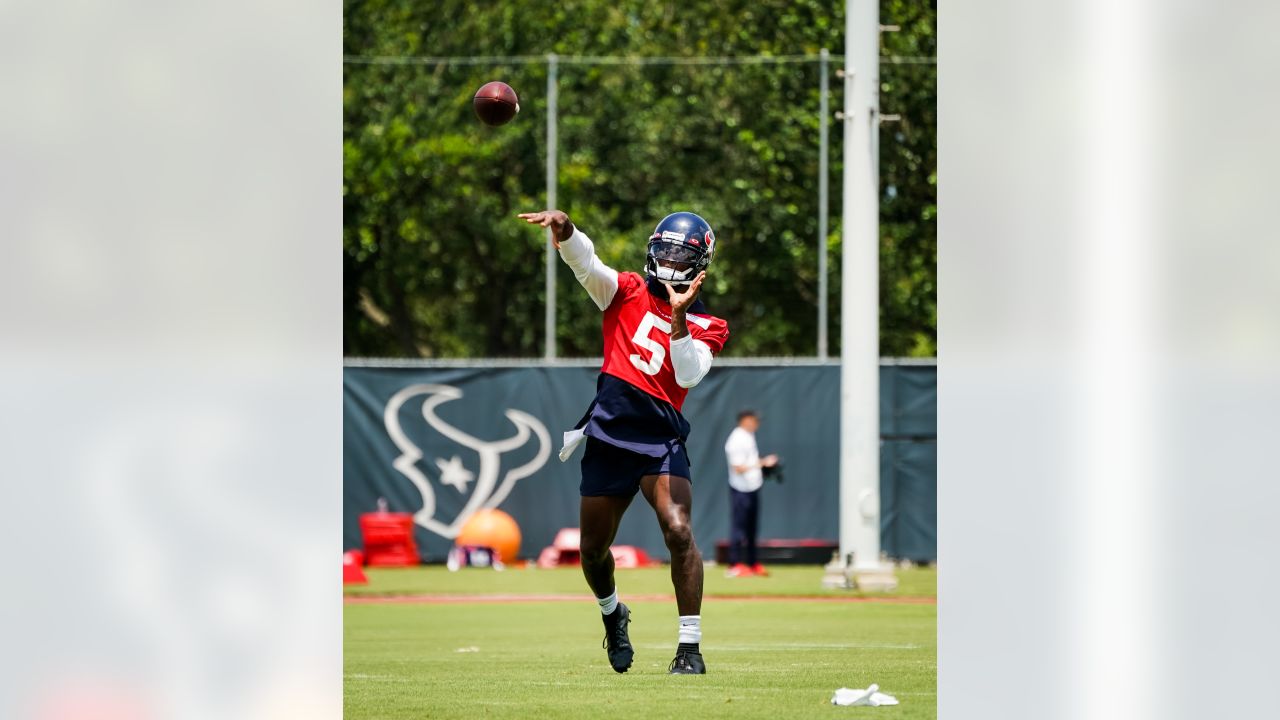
x: 388, y: 539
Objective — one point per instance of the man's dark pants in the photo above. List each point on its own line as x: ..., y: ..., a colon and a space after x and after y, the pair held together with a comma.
x: 746, y: 515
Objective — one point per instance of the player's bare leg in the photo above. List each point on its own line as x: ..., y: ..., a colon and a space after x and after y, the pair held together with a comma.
x: 672, y: 500
x: 598, y: 520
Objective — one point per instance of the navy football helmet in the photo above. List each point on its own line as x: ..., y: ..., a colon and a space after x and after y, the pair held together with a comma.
x: 685, y: 245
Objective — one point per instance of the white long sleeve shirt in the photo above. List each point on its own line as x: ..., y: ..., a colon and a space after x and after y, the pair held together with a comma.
x: 690, y: 358
x: 600, y: 280
x: 739, y: 450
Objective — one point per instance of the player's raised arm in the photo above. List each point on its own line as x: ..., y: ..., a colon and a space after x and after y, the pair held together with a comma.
x: 560, y: 224
x: 579, y: 253
x: 690, y: 358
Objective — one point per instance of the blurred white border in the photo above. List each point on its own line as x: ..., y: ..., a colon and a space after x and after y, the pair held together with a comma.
x: 1109, y: 359
x: 170, y: 193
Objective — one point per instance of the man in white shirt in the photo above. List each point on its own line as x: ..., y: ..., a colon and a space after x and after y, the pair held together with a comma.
x: 745, y: 479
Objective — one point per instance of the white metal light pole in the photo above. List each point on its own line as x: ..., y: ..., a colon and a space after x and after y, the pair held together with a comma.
x: 860, y: 301
x: 824, y: 113
x: 552, y: 180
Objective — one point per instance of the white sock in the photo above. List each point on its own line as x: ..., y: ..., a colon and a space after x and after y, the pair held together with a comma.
x: 690, y: 628
x: 608, y: 604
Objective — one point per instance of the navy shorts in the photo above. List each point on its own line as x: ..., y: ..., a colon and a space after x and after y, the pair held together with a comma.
x: 610, y: 470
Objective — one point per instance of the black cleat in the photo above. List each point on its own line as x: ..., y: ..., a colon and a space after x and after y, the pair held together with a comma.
x: 688, y: 661
x: 616, y: 640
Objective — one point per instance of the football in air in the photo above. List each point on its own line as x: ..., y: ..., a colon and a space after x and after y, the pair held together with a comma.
x: 496, y: 103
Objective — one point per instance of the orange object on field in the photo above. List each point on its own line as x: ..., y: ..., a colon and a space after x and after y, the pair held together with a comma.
x: 388, y: 539
x: 492, y: 528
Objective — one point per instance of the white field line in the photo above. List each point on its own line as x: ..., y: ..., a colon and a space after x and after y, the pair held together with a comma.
x: 800, y: 646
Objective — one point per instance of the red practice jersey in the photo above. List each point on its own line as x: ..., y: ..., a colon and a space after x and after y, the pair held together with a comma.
x: 637, y: 339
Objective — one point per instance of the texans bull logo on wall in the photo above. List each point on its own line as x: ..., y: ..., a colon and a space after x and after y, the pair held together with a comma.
x: 487, y: 492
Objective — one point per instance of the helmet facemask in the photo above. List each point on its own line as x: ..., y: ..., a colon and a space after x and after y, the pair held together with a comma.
x: 673, y: 263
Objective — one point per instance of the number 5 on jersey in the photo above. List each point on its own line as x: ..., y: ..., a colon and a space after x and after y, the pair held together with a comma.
x: 658, y: 353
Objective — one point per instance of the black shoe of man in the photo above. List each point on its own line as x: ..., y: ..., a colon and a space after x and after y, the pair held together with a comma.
x: 688, y: 661
x: 616, y: 640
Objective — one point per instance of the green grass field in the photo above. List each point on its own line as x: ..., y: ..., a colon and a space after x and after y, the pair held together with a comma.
x: 774, y: 656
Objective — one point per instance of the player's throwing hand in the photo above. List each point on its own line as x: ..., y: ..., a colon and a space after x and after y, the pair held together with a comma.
x: 560, y: 224
x: 680, y: 301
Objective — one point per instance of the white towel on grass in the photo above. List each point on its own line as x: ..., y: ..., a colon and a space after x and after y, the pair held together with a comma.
x: 870, y: 696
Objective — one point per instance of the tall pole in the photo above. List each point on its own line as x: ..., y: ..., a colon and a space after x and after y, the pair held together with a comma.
x: 859, y: 326
x: 824, y: 112
x: 552, y: 181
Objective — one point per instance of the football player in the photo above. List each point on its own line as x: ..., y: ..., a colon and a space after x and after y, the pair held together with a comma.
x: 658, y: 343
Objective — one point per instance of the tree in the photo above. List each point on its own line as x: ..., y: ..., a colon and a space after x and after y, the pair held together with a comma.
x: 435, y: 263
